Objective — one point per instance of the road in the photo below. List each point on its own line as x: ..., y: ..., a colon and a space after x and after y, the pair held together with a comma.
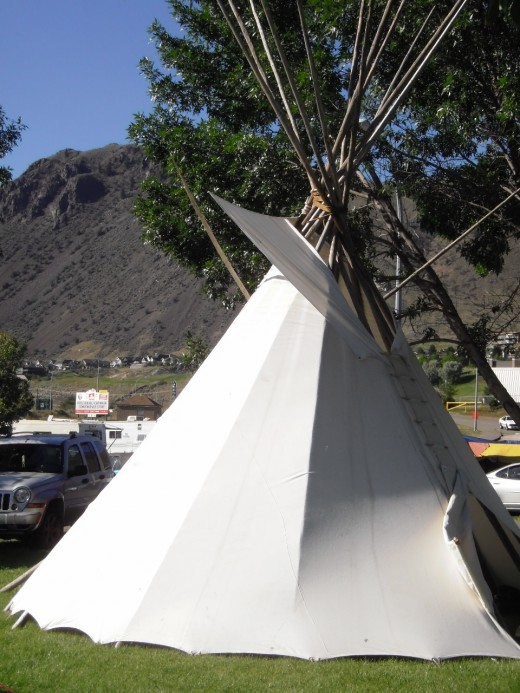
x: 487, y: 427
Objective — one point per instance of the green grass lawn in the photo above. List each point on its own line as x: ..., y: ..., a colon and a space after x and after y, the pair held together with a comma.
x: 34, y: 661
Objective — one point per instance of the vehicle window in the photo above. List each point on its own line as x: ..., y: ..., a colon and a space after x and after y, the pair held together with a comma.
x: 91, y: 458
x: 50, y: 460
x: 114, y: 434
x: 30, y: 458
x: 514, y: 472
x: 12, y: 458
x: 502, y: 474
x: 106, y: 463
x: 75, y: 460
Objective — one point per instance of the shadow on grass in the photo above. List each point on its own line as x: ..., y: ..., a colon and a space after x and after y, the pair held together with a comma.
x: 17, y: 554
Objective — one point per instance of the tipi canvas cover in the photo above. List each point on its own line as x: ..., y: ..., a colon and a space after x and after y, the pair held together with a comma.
x: 306, y: 495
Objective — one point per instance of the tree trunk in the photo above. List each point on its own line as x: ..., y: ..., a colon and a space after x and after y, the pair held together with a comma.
x: 433, y: 288
x: 464, y: 338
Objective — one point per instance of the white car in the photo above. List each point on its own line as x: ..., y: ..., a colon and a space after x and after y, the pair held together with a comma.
x: 508, y: 423
x: 506, y: 482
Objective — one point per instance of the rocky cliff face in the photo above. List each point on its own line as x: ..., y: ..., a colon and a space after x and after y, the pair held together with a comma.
x: 75, y: 277
x: 76, y: 280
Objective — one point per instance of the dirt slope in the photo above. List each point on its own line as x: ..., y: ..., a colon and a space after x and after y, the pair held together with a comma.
x: 76, y: 280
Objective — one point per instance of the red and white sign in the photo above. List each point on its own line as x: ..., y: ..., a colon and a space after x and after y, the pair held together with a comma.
x: 92, y: 402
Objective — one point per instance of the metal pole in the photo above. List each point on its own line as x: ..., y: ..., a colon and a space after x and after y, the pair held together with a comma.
x: 398, y: 304
x: 450, y: 245
x: 475, y: 413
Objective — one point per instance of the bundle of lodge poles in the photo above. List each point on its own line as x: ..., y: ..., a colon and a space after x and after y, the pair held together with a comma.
x: 338, y: 164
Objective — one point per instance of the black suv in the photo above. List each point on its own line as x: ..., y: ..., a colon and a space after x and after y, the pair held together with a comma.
x: 46, y: 482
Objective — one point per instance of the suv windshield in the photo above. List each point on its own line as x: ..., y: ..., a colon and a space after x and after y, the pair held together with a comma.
x: 31, y: 458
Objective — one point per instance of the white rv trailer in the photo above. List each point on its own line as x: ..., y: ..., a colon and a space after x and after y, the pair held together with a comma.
x: 122, y: 438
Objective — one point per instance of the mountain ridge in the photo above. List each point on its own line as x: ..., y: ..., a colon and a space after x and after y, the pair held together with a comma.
x: 76, y: 279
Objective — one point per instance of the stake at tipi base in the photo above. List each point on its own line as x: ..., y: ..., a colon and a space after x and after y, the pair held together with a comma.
x: 19, y: 580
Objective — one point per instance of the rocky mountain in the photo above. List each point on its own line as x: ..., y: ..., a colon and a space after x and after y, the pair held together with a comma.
x: 76, y: 280
x: 472, y: 294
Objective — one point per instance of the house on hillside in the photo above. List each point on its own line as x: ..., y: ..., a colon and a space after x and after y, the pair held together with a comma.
x: 34, y: 369
x: 121, y: 361
x: 94, y: 363
x: 67, y: 365
x: 139, y: 406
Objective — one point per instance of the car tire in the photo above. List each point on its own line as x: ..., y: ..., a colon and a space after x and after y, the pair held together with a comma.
x: 50, y: 531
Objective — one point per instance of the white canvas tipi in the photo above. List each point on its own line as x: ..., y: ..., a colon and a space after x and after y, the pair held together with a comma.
x: 306, y: 495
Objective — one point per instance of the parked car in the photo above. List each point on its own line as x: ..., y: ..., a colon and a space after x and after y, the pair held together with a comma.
x: 47, y: 482
x: 508, y: 423
x: 506, y: 482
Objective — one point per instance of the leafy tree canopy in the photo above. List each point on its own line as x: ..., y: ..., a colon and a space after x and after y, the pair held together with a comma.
x: 509, y: 10
x: 197, y: 349
x: 10, y: 133
x: 454, y: 146
x: 212, y: 121
x: 456, y: 150
x: 15, y: 396
x: 452, y: 143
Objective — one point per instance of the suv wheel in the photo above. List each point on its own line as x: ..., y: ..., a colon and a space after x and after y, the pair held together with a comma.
x: 50, y: 531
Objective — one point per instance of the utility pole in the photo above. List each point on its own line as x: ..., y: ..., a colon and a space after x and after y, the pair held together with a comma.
x: 398, y: 304
x: 475, y: 412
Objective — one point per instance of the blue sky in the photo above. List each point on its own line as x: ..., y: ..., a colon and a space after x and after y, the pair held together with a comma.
x: 69, y: 71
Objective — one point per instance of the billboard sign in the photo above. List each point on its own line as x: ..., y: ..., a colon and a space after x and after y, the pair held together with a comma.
x: 92, y: 402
